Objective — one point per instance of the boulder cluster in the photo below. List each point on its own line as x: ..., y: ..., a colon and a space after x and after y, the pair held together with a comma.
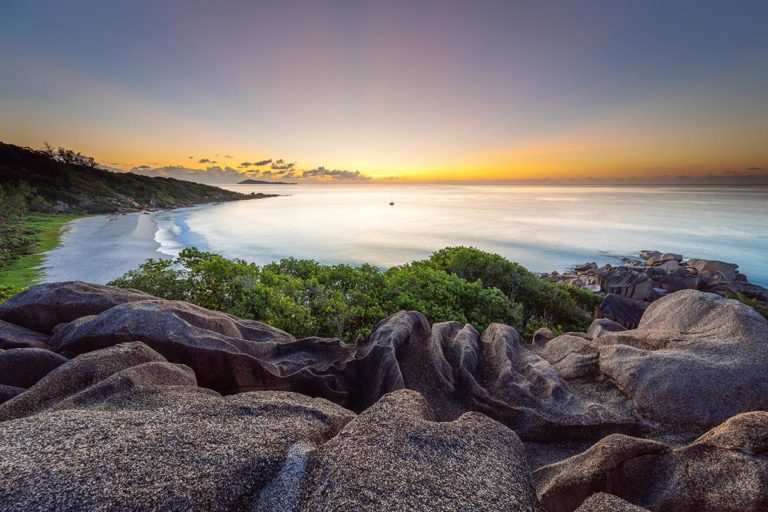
x: 628, y: 289
x: 112, y: 399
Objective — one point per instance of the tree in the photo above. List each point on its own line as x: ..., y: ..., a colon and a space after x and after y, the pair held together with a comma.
x: 67, y: 156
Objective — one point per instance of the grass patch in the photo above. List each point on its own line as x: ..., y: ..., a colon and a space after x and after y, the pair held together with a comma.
x: 46, y: 232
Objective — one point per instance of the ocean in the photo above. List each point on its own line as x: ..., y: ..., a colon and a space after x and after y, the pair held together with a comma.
x: 542, y: 227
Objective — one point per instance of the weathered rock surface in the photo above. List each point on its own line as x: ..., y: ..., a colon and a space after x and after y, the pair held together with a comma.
x: 159, y: 448
x: 458, y: 370
x: 665, y: 273
x: 44, y: 306
x: 22, y: 367
x: 76, y: 375
x: 601, y: 502
x: 394, y: 456
x: 227, y: 354
x: 622, y: 310
x: 696, y: 359
x: 726, y: 270
x: 626, y: 282
x: 124, y: 425
x: 542, y: 336
x: 8, y: 392
x: 724, y: 470
x: 15, y: 336
x: 603, y: 326
x: 455, y: 368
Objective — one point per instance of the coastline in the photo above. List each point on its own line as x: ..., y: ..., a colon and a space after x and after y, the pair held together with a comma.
x: 101, y: 247
x: 85, y: 246
x: 27, y: 270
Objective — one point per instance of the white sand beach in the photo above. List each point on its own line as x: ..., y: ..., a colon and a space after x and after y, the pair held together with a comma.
x: 99, y: 249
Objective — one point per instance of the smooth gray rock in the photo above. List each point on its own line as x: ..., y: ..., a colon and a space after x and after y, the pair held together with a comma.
x: 159, y: 448
x: 394, y: 456
x: 572, y: 357
x: 76, y: 375
x: 15, y: 336
x: 603, y: 326
x: 8, y: 392
x: 602, y: 502
x: 23, y: 367
x: 142, y: 375
x: 43, y: 306
x: 696, y: 360
x: 228, y: 354
x: 726, y: 469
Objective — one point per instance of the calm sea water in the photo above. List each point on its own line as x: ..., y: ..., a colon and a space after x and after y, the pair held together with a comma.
x: 543, y: 228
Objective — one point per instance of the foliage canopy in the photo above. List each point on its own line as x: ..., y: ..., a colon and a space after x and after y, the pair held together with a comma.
x: 307, y: 298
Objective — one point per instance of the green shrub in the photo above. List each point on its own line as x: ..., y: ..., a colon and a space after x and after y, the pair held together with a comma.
x: 544, y: 304
x: 309, y: 299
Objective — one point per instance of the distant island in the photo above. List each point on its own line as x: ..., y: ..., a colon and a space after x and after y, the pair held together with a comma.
x: 263, y: 182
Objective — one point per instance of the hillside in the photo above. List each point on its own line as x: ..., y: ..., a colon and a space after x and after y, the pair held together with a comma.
x: 84, y: 188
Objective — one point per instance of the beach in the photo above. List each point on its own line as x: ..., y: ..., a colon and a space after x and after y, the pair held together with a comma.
x: 101, y: 248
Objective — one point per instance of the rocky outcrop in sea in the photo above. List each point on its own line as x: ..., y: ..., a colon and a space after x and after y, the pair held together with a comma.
x: 115, y: 400
x: 628, y: 289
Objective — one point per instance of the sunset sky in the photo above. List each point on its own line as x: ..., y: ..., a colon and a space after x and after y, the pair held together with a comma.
x: 416, y: 90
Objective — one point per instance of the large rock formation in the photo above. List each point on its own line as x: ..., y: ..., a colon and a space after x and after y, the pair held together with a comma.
x: 654, y: 275
x: 159, y: 448
x: 696, y: 359
x: 394, y: 456
x: 43, y: 307
x: 726, y: 469
x: 75, y: 376
x: 134, y: 418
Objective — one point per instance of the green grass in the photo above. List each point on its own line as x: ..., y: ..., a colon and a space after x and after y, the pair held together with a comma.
x: 25, y: 271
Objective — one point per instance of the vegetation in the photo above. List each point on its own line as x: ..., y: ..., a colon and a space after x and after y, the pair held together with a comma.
x: 41, y: 232
x: 307, y: 298
x: 25, y: 231
x: 761, y: 308
x: 70, y: 181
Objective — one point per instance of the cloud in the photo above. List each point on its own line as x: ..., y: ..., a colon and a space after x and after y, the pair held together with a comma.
x: 204, y: 161
x: 260, y: 163
x: 282, y: 164
x: 336, y: 174
x: 144, y: 167
x: 213, y: 175
x: 754, y: 168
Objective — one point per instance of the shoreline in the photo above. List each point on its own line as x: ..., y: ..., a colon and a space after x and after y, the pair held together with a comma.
x: 100, y: 248
x: 27, y: 269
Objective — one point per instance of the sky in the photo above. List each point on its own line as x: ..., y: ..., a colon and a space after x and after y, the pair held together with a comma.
x: 392, y: 90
